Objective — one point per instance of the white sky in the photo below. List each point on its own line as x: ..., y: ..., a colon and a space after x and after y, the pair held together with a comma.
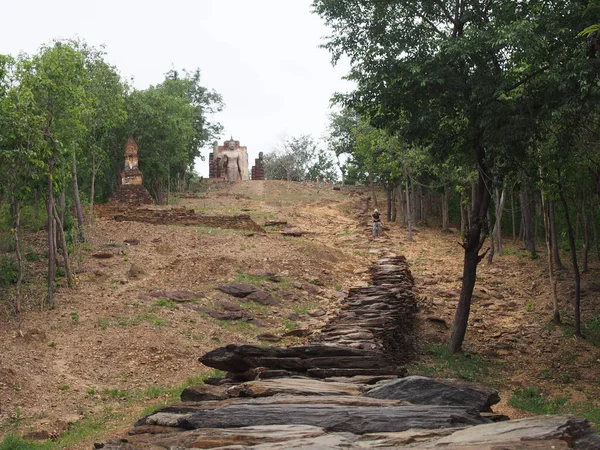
x: 262, y: 56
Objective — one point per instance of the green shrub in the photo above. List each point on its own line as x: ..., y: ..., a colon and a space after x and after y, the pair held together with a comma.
x: 9, y: 271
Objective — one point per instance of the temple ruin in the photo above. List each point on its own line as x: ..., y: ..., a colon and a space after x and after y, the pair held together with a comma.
x: 258, y: 169
x: 229, y: 161
x: 131, y: 192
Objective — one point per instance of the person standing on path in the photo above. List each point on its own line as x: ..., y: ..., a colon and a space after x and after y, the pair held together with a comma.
x: 376, y: 224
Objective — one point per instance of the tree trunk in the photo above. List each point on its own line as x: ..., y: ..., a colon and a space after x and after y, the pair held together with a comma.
x: 372, y: 185
x: 92, y: 188
x: 388, y: 195
x: 527, y: 219
x: 554, y: 235
x: 401, y: 205
x: 408, y: 208
x: 65, y: 252
x: 492, y: 251
x: 586, y: 234
x: 498, y: 226
x: 80, y: 223
x: 573, y: 250
x: 551, y: 271
x: 59, y: 232
x: 514, y: 223
x: 51, y: 249
x: 413, y: 204
x: 595, y: 234
x: 474, y: 240
x: 17, y: 237
x: 463, y: 215
x: 394, y: 203
x: 420, y: 197
x: 445, y: 209
x: 56, y: 246
x: 168, y: 183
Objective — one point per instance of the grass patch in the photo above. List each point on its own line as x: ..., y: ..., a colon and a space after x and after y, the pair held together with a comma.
x: 237, y: 326
x: 255, y: 307
x: 140, y: 318
x: 591, y: 330
x: 515, y: 251
x: 303, y: 309
x: 532, y: 400
x: 93, y: 425
x: 441, y: 363
x: 12, y: 442
x: 290, y: 325
x: 255, y: 280
x: 215, y: 230
x: 166, y: 303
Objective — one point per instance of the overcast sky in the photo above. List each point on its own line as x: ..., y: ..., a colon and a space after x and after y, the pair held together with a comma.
x: 262, y: 56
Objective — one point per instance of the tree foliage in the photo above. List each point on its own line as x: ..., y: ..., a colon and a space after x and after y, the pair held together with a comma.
x: 468, y: 79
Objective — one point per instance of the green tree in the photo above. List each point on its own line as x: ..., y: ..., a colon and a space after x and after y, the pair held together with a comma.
x: 56, y: 79
x: 322, y: 166
x: 448, y: 73
x: 290, y: 159
x: 170, y: 124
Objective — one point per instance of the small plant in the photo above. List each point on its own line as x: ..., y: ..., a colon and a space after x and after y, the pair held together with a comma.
x: 31, y: 256
x: 52, y: 344
x: 166, y: 303
x: 104, y: 323
x: 290, y: 325
x: 159, y: 322
x: 17, y: 387
x: 17, y: 417
x: 74, y: 318
x: 529, y: 306
x: 116, y: 393
x: 91, y: 391
x: 63, y: 387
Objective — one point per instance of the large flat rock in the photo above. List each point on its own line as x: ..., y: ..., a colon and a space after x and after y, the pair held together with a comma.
x: 538, y: 428
x: 427, y: 391
x: 219, y: 437
x: 357, y: 420
x: 293, y: 386
x: 240, y: 358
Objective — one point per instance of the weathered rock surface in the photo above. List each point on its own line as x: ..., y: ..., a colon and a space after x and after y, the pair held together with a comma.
x: 204, y: 392
x: 427, y: 391
x: 539, y: 428
x: 293, y: 386
x: 237, y: 289
x: 356, y: 420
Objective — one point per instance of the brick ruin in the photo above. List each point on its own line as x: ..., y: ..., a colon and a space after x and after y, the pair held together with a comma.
x: 258, y: 169
x: 131, y: 192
